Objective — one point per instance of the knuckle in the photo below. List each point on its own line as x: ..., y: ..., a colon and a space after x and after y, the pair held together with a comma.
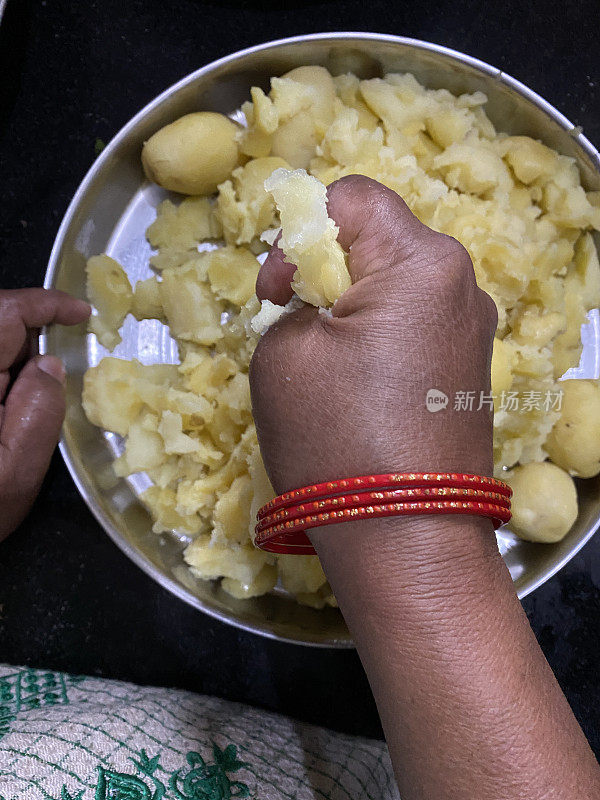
x: 450, y: 248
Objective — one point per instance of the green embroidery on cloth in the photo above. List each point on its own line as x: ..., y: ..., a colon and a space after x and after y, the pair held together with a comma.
x: 65, y: 795
x: 120, y: 786
x: 86, y: 736
x: 202, y: 782
x: 31, y: 688
x: 210, y: 782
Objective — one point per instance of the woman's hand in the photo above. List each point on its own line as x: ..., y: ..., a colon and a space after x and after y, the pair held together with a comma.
x: 32, y: 403
x: 468, y: 703
x: 346, y: 395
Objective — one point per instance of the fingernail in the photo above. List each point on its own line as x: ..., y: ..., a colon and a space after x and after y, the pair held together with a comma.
x: 53, y: 366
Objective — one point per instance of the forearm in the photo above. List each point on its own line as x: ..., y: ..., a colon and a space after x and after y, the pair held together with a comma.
x: 465, y: 695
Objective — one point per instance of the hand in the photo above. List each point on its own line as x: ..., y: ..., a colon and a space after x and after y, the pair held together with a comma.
x: 345, y: 395
x: 32, y: 412
x: 468, y: 704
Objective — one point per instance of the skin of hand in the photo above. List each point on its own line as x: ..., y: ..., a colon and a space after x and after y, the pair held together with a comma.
x: 355, y: 383
x: 32, y: 402
x: 469, y: 706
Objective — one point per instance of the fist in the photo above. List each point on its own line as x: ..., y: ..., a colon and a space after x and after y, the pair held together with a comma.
x: 344, y: 395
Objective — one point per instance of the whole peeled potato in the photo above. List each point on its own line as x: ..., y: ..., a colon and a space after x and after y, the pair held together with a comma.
x: 193, y: 154
x: 544, y: 501
x: 574, y: 442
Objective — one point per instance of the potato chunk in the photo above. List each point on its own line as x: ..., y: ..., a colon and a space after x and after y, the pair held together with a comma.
x: 530, y: 160
x: 146, y: 302
x: 192, y: 155
x: 309, y: 237
x: 210, y: 560
x: 181, y: 227
x: 544, y: 503
x: 301, y: 574
x: 574, y: 442
x: 113, y: 391
x: 191, y: 309
x: 109, y: 290
x: 245, y: 207
x: 232, y: 274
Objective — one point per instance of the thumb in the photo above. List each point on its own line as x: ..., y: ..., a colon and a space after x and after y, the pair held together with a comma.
x: 30, y: 426
x: 376, y: 227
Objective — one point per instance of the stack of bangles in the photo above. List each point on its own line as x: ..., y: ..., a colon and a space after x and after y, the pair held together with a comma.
x: 283, y: 522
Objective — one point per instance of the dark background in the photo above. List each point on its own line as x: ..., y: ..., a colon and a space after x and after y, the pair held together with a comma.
x: 72, y: 72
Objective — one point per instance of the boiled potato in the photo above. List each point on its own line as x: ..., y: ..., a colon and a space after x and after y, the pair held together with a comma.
x: 301, y: 574
x: 179, y: 228
x: 567, y: 345
x: 529, y: 159
x: 146, y: 302
x: 192, y: 311
x: 262, y: 118
x: 110, y: 397
x: 232, y: 274
x: 472, y: 168
x: 244, y: 206
x: 161, y: 503
x: 531, y: 327
x: 216, y: 560
x: 586, y: 271
x: 109, y: 290
x: 261, y: 584
x: 295, y: 140
x: 144, y: 447
x: 305, y: 100
x: 115, y: 391
x: 347, y: 88
x: 574, y: 442
x: 231, y: 515
x: 322, y: 94
x: 309, y: 237
x: 448, y: 125
x: 177, y: 442
x: 204, y: 373
x: 544, y: 502
x: 516, y: 205
x: 192, y: 155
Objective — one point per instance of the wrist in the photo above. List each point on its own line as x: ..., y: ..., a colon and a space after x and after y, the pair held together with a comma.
x: 427, y: 561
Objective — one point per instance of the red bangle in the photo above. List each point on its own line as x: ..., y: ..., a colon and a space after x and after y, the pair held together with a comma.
x: 377, y: 498
x: 290, y: 536
x: 283, y: 522
x: 392, y: 480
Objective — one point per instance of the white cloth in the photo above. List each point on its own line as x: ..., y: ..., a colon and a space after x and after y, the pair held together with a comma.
x: 65, y: 737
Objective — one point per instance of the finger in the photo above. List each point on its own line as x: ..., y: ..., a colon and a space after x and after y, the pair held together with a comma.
x: 275, y: 276
x: 33, y: 415
x: 376, y: 227
x: 23, y: 309
x: 30, y: 427
x: 38, y: 307
x: 28, y: 350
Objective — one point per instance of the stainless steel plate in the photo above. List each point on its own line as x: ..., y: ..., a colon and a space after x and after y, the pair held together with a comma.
x: 110, y: 213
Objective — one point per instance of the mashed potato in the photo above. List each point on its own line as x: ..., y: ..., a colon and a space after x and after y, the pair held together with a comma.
x: 516, y: 205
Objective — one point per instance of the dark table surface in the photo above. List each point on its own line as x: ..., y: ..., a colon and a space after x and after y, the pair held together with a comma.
x: 74, y: 71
